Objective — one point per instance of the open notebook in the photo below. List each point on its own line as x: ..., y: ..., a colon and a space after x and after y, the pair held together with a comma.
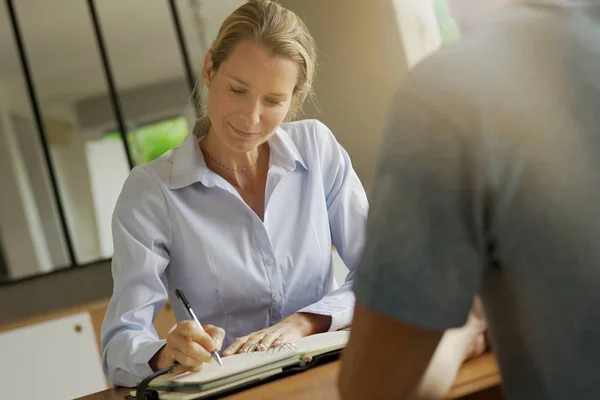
x: 243, y: 369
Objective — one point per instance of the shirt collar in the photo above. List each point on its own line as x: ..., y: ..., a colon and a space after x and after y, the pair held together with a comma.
x: 189, y: 166
x: 284, y: 151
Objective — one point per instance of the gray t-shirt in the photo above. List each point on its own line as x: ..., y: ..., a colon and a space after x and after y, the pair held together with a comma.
x: 489, y: 182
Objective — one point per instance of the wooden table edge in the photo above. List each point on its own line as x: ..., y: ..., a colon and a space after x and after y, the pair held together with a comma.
x: 483, y: 368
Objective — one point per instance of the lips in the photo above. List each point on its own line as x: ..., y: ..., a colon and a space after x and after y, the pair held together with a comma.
x: 242, y: 133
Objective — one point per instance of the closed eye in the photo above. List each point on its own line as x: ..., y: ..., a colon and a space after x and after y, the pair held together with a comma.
x: 236, y: 91
x: 240, y: 91
x: 275, y: 102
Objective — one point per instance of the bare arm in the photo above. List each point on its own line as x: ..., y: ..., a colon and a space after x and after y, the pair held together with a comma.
x: 384, y: 358
x: 456, y: 345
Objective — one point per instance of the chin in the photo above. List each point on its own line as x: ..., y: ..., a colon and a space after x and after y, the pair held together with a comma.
x: 241, y: 141
x: 243, y: 145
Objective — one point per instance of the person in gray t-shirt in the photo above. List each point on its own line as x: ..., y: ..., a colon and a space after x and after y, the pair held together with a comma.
x: 489, y: 183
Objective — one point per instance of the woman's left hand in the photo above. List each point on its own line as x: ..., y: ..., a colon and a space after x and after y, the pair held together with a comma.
x: 290, y: 329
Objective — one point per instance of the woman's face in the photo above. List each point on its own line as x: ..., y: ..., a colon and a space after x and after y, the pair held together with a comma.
x: 248, y: 96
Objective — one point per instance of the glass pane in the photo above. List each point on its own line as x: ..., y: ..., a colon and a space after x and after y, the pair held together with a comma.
x: 449, y: 30
x: 31, y: 233
x: 150, y: 141
x: 149, y: 72
x: 85, y: 149
x: 67, y: 71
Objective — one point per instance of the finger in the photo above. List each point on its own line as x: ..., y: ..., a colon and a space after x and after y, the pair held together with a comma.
x: 253, y: 344
x: 235, y: 346
x: 194, y: 350
x: 185, y: 368
x: 217, y: 334
x: 178, y: 340
x: 185, y: 361
x: 271, y: 339
x: 191, y: 331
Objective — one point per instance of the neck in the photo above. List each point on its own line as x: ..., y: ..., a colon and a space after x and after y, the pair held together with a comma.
x: 241, y: 169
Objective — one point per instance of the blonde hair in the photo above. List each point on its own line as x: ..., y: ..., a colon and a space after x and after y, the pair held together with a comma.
x: 281, y: 32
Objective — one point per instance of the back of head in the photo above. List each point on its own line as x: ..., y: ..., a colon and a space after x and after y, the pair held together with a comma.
x: 281, y: 32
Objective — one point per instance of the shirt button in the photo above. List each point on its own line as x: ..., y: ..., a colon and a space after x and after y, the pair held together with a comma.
x: 276, y: 298
x: 270, y: 261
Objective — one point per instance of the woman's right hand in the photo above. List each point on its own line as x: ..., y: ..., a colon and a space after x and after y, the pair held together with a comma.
x: 189, y: 346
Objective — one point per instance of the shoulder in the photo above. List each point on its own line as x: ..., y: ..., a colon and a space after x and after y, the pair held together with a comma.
x: 311, y: 136
x: 303, y: 128
x: 153, y: 175
x: 147, y: 184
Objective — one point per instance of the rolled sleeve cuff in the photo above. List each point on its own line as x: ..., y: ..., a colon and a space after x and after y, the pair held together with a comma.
x: 339, y: 318
x: 141, y: 360
x: 131, y: 370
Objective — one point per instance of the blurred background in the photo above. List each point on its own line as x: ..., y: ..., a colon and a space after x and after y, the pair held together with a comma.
x: 62, y: 169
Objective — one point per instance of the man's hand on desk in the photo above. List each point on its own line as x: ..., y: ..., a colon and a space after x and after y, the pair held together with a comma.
x: 290, y: 329
x: 475, y: 329
x: 189, y: 346
x: 428, y: 360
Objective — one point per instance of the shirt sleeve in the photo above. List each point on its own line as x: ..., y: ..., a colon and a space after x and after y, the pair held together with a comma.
x: 141, y: 235
x: 347, y: 207
x: 425, y: 251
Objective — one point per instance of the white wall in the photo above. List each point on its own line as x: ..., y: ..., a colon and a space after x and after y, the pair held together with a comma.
x: 361, y: 63
x: 23, y: 242
x: 365, y: 49
x: 31, y: 150
x: 106, y: 180
x: 74, y: 185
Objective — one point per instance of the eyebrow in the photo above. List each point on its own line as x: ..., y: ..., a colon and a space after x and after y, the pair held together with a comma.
x: 246, y: 84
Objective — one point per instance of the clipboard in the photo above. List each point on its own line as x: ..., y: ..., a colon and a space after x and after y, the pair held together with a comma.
x: 311, y: 351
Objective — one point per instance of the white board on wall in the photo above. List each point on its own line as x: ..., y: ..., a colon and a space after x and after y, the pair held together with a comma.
x: 53, y: 360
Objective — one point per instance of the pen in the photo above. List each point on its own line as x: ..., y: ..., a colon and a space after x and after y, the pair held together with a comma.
x: 190, y: 312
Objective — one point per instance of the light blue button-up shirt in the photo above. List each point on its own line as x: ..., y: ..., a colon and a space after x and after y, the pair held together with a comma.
x: 177, y: 224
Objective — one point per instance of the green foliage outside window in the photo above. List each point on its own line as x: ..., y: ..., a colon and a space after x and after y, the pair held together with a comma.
x: 449, y: 30
x: 150, y: 141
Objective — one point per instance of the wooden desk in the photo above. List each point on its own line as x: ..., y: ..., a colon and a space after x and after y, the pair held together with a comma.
x: 320, y: 383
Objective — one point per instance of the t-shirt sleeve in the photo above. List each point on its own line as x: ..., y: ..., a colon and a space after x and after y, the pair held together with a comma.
x: 424, y: 254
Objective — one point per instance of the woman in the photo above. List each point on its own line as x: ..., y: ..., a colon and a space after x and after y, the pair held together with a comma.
x: 241, y: 216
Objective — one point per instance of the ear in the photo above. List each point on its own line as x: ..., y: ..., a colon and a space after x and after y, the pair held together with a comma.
x: 208, y: 70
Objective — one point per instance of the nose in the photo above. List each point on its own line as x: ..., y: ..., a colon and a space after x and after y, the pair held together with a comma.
x: 251, y: 113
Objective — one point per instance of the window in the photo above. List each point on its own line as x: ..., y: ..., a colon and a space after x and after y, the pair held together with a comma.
x: 146, y: 143
x: 63, y: 86
x: 424, y: 27
x: 150, y: 141
x: 449, y: 30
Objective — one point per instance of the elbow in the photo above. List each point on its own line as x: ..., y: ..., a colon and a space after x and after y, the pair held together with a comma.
x: 113, y: 371
x: 119, y: 378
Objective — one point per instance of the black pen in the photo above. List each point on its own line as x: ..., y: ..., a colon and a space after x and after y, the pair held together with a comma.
x: 190, y: 312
